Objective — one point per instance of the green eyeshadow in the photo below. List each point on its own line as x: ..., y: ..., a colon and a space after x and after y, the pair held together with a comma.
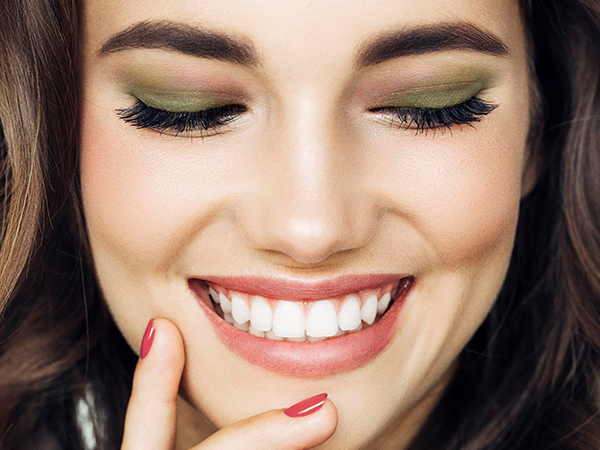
x: 444, y: 98
x: 179, y: 101
x: 458, y: 86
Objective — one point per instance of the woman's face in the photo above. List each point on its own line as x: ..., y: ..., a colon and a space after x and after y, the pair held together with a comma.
x: 309, y: 175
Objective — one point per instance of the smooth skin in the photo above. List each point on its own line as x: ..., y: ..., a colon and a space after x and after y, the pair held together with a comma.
x: 308, y: 183
x: 151, y: 421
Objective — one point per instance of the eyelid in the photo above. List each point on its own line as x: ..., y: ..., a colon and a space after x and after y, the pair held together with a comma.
x: 142, y: 116
x: 182, y: 104
x: 465, y: 113
x: 426, y: 97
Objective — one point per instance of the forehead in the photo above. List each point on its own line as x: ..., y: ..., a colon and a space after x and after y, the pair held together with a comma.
x: 302, y: 31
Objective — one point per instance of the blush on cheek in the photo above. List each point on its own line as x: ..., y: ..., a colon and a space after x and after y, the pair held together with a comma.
x: 131, y: 209
x: 468, y: 206
x: 475, y: 218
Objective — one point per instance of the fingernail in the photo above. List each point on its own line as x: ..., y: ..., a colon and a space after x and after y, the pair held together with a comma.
x: 306, y: 407
x: 147, y: 339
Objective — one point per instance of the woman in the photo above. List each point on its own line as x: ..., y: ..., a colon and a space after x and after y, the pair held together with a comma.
x: 390, y: 208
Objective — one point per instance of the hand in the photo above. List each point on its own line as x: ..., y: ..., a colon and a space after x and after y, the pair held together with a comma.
x: 151, y: 414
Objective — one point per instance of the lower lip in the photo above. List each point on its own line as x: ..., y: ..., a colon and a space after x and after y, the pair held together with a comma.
x: 307, y: 359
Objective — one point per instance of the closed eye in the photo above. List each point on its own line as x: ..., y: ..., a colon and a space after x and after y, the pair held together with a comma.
x: 423, y: 119
x: 420, y: 119
x: 141, y: 115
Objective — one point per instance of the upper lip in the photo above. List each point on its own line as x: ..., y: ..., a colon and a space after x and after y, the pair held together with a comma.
x: 294, y: 289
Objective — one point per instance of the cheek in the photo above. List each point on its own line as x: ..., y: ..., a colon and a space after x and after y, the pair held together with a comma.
x: 475, y: 190
x: 141, y: 202
x: 461, y: 193
x: 119, y: 196
x: 475, y: 206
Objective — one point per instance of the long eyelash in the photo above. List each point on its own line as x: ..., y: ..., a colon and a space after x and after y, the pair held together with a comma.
x: 141, y: 115
x: 423, y: 119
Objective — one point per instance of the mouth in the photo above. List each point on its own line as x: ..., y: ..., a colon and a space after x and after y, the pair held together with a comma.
x: 301, y: 320
x: 304, y: 329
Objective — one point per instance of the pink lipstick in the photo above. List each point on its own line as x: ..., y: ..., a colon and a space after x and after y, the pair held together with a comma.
x: 307, y: 359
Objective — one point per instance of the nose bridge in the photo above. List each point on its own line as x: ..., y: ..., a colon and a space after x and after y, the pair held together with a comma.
x: 310, y: 204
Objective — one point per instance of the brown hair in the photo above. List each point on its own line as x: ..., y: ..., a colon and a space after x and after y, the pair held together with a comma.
x: 528, y: 378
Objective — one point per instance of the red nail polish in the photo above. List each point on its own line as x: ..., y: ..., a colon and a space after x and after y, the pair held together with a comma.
x: 147, y: 339
x: 306, y: 407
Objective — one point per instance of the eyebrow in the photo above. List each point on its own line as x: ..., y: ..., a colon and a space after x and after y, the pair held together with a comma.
x: 185, y: 39
x: 202, y: 43
x: 429, y: 39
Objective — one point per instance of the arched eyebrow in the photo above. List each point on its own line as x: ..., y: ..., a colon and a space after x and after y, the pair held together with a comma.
x: 202, y: 43
x: 428, y: 39
x: 183, y: 38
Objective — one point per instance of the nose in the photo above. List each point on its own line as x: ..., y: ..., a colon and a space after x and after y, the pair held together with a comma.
x: 308, y: 203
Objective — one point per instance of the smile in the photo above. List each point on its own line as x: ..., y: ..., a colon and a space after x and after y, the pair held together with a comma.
x: 300, y: 321
x: 302, y: 328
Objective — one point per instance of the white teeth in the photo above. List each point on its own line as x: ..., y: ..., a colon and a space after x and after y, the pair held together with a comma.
x: 297, y: 339
x: 270, y: 335
x: 322, y: 320
x: 349, y: 317
x: 214, y: 294
x: 289, y: 320
x: 225, y: 303
x: 300, y: 321
x: 242, y: 326
x: 239, y: 309
x: 255, y: 332
x: 229, y: 318
x: 383, y: 303
x: 369, y: 309
x: 360, y: 327
x: 261, y: 314
x: 340, y: 333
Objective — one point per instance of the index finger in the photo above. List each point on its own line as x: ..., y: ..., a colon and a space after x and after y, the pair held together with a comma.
x: 152, y: 411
